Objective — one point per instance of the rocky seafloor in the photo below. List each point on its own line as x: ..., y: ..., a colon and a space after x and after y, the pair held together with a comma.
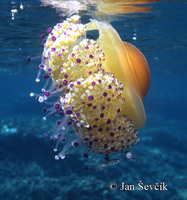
x: 28, y: 170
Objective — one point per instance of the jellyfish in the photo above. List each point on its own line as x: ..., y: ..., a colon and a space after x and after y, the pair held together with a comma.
x: 99, y: 88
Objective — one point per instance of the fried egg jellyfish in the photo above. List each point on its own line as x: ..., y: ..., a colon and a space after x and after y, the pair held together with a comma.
x: 99, y: 85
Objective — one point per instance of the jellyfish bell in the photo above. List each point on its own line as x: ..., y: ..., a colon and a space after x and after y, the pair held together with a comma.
x: 129, y: 66
x: 140, y: 68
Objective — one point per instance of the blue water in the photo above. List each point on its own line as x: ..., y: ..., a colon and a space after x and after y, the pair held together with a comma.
x: 28, y: 170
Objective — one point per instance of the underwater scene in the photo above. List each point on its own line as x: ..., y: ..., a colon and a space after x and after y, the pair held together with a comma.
x: 93, y: 100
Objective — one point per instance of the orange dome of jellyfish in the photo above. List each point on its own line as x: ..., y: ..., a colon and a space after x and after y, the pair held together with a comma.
x: 99, y: 85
